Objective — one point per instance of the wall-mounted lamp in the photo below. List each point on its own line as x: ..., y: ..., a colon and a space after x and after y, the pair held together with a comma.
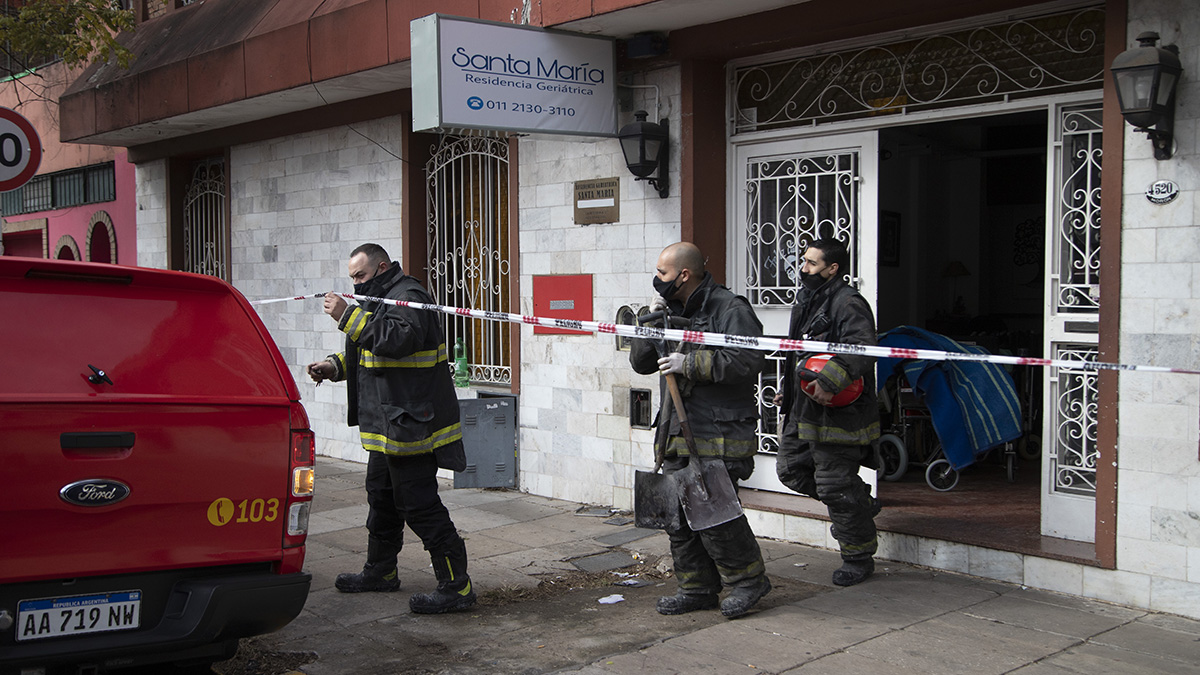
x: 644, y: 145
x: 1146, y: 77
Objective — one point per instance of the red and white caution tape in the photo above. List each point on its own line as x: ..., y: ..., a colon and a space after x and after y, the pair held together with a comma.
x: 749, y: 342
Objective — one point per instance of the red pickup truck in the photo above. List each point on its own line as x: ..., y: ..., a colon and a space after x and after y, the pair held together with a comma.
x: 156, y: 469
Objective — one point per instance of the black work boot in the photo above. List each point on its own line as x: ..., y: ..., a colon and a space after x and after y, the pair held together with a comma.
x: 682, y: 603
x: 742, y: 598
x: 853, y: 571
x: 378, y: 573
x: 454, y: 591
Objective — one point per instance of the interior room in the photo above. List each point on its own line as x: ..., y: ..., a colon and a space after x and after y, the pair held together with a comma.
x: 962, y: 254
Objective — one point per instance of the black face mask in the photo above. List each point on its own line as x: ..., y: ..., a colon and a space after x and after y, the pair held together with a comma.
x: 812, y: 281
x: 368, y: 287
x: 667, y: 289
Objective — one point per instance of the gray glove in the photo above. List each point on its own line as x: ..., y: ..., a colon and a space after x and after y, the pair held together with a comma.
x: 658, y: 304
x: 671, y: 363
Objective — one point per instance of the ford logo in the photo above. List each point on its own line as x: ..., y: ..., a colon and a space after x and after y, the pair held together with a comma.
x: 94, y: 492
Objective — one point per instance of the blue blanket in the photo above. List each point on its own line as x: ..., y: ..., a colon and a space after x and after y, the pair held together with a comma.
x: 974, y: 405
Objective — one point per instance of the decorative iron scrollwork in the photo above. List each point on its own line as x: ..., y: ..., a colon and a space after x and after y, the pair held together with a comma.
x: 1061, y: 52
x: 1076, y: 405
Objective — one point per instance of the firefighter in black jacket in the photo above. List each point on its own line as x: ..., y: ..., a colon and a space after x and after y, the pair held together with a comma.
x: 402, y: 399
x: 717, y: 387
x: 822, y: 446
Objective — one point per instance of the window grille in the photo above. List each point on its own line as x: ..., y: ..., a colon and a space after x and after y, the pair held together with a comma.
x: 68, y: 187
x: 38, y: 194
x: 792, y: 202
x: 62, y: 189
x: 1076, y: 264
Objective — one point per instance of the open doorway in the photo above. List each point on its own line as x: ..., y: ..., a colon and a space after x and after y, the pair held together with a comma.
x: 962, y: 210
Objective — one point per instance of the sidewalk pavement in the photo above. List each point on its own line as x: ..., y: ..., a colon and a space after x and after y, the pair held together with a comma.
x: 904, y: 619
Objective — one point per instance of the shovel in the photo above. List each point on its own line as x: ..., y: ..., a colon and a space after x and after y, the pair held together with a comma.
x: 705, y: 488
x: 656, y: 495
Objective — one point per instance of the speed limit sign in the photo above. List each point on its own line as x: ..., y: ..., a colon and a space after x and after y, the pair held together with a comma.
x: 20, y: 150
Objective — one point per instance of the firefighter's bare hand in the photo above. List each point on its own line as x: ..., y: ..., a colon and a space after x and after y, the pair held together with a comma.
x: 671, y: 364
x: 335, y: 306
x: 320, y: 371
x: 818, y: 393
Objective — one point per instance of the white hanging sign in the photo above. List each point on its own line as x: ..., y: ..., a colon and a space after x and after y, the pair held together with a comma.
x: 472, y: 74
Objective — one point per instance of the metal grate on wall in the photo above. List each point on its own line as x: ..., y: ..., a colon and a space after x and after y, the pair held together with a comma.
x: 86, y: 185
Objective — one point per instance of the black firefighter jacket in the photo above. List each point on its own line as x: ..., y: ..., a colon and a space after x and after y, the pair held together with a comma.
x: 718, y: 383
x: 835, y: 312
x: 401, y: 394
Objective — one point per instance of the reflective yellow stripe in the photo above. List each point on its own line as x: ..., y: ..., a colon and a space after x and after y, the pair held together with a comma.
x: 838, y: 376
x: 702, y: 366
x: 356, y: 322
x: 713, y: 447
x: 425, y: 359
x: 808, y: 431
x: 381, y: 443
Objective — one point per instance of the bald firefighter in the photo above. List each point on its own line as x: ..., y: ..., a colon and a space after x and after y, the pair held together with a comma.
x: 717, y: 386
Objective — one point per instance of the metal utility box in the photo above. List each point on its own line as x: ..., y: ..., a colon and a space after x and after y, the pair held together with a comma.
x: 562, y: 296
x: 489, y: 429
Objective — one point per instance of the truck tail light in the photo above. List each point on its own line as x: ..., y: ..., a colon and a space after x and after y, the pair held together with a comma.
x: 298, y: 519
x: 303, y: 478
x: 303, y: 483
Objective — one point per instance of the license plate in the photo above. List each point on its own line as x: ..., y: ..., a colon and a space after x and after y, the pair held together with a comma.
x: 78, y: 614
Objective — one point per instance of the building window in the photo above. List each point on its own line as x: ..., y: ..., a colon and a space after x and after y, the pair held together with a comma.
x: 66, y: 248
x: 14, y: 64
x: 63, y: 189
x: 101, y: 239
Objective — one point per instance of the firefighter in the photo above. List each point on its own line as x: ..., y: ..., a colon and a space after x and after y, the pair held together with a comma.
x: 717, y: 387
x: 822, y: 446
x: 402, y: 399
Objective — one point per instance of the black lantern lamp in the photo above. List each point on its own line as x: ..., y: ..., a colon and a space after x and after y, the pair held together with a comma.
x: 1146, y: 77
x: 644, y: 145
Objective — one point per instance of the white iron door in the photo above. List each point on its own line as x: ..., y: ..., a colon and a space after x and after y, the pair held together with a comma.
x: 789, y: 194
x: 1072, y: 316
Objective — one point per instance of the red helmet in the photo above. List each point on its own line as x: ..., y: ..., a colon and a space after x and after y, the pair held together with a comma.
x: 813, y: 366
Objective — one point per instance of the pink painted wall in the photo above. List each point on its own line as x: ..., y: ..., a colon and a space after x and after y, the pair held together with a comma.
x: 36, y: 98
x: 74, y: 221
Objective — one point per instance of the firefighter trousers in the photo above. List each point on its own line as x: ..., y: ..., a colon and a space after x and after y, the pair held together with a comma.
x: 404, y: 490
x: 726, y: 554
x: 829, y: 472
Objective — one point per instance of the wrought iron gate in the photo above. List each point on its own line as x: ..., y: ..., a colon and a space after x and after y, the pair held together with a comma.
x: 205, y: 228
x: 469, y: 247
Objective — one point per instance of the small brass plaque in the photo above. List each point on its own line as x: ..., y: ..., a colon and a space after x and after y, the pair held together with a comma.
x: 597, y: 201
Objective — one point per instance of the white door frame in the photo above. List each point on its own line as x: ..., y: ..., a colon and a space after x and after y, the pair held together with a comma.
x: 864, y: 145
x: 838, y: 134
